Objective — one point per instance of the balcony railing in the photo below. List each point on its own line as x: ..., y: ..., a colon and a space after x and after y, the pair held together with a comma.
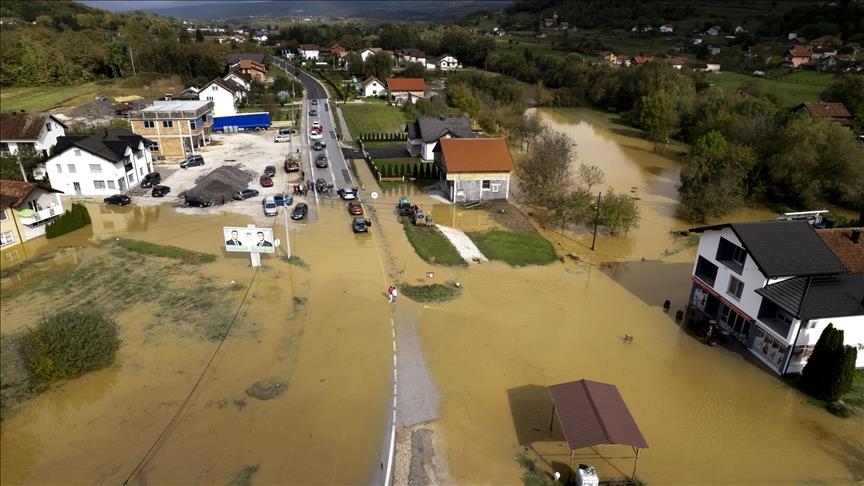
x: 30, y: 217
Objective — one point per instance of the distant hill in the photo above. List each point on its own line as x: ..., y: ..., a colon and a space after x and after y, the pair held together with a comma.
x: 403, y: 10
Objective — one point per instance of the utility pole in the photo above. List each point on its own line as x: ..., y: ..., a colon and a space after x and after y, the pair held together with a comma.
x: 596, y: 218
x: 131, y: 58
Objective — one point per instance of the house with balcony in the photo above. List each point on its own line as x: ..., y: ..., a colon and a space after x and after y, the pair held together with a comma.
x: 423, y: 134
x: 176, y: 128
x: 225, y: 94
x: 99, y: 165
x: 25, y: 210
x: 36, y: 132
x: 474, y: 169
x: 776, y: 285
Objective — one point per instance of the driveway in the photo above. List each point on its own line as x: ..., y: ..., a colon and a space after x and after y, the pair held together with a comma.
x: 393, y: 152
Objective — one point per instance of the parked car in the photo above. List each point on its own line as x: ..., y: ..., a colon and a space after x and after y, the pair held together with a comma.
x: 265, y: 181
x: 270, y: 206
x: 192, y: 161
x: 313, y: 112
x: 347, y: 193
x: 151, y: 179
x: 321, y: 160
x: 299, y: 211
x: 118, y: 199
x: 314, y: 101
x: 354, y: 208
x: 160, y: 191
x: 287, y: 131
x: 197, y: 201
x: 313, y: 135
x: 317, y: 124
x: 283, y: 199
x: 270, y: 171
x: 245, y: 194
x: 319, y: 145
x: 361, y: 225
x: 282, y: 138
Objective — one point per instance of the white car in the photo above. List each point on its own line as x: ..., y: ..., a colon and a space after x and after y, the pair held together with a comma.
x: 314, y: 135
x: 316, y: 124
x: 282, y: 138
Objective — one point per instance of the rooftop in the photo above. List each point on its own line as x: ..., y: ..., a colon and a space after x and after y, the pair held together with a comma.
x: 431, y: 129
x: 819, y: 296
x: 406, y: 84
x: 849, y: 252
x: 176, y: 105
x: 23, y: 126
x: 475, y: 155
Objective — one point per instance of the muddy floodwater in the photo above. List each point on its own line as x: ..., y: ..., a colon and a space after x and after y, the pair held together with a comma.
x: 175, y: 408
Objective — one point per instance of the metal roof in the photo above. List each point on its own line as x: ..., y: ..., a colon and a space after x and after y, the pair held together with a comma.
x: 593, y: 413
x: 819, y: 296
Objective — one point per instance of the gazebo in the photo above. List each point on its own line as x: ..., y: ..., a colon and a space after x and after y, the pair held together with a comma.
x: 593, y: 413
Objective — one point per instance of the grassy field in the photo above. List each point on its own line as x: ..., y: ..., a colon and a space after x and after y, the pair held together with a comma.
x: 792, y: 93
x: 518, y: 45
x: 517, y: 248
x: 39, y: 98
x: 373, y: 117
x: 431, y: 245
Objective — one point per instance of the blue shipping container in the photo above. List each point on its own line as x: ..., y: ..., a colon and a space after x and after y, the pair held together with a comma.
x: 241, y: 122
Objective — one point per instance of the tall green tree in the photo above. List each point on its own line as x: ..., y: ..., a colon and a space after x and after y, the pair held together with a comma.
x: 619, y: 212
x: 658, y: 116
x: 545, y: 174
x: 827, y: 374
x: 849, y: 90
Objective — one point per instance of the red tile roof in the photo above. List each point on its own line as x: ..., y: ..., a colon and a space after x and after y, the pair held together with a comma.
x: 827, y: 110
x: 406, y: 84
x: 800, y: 51
x: 16, y: 126
x: 14, y: 192
x: 840, y: 242
x: 476, y: 155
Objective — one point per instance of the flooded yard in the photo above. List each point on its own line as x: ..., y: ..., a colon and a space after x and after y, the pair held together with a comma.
x: 175, y: 407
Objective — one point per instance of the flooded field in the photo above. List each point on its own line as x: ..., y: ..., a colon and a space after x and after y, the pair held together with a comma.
x: 323, y: 331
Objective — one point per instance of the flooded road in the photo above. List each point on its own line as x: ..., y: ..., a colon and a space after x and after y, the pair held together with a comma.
x: 324, y: 331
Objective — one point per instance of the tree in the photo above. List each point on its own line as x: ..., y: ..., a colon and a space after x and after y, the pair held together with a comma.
x: 199, y: 36
x: 574, y: 207
x: 619, y: 212
x: 590, y: 176
x: 658, y: 116
x: 827, y: 374
x: 848, y: 90
x: 379, y: 65
x: 414, y: 70
x: 545, y: 174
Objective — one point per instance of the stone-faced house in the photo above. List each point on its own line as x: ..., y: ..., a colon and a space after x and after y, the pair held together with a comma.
x: 474, y: 169
x: 424, y: 133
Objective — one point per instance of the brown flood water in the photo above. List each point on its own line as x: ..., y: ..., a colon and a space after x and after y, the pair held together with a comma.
x: 709, y: 416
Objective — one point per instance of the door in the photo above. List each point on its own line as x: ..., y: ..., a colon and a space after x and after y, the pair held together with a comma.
x: 77, y: 187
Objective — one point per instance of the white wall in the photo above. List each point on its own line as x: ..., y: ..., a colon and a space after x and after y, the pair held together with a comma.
x: 46, y: 138
x: 853, y: 335
x: 374, y: 89
x: 110, y: 173
x: 223, y: 100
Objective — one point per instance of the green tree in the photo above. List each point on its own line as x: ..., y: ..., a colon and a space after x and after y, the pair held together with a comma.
x: 545, y: 174
x: 379, y: 65
x: 574, y: 207
x: 827, y: 375
x: 199, y: 36
x: 413, y: 70
x: 658, y: 116
x: 590, y: 176
x: 619, y: 212
x: 849, y: 90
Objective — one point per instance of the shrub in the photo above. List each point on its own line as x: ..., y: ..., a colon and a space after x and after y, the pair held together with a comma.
x: 839, y: 409
x: 77, y: 217
x: 68, y: 344
x: 829, y: 371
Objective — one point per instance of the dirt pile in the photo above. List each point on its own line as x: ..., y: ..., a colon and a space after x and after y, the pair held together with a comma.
x: 222, y: 182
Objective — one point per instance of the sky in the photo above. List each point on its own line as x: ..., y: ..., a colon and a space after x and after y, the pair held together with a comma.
x: 126, y: 5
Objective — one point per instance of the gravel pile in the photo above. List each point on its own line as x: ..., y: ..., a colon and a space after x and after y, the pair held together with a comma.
x: 222, y: 182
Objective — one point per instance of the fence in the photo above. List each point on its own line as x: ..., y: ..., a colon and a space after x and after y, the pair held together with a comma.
x: 384, y: 137
x: 399, y: 172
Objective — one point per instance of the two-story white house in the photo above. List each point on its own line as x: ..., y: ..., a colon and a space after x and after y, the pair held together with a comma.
x: 776, y: 285
x: 423, y: 134
x: 35, y: 132
x: 25, y: 210
x: 372, y: 87
x: 309, y: 51
x: 99, y: 165
x: 224, y: 94
x: 446, y: 62
x: 413, y: 55
x: 368, y: 52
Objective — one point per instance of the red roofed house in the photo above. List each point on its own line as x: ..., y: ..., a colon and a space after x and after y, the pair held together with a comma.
x: 406, y: 90
x: 835, y: 112
x: 25, y: 208
x: 36, y: 132
x: 474, y: 169
x: 797, y: 56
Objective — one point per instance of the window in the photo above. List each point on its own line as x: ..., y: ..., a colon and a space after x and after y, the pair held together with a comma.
x: 192, y: 124
x: 48, y: 127
x: 111, y: 185
x: 99, y: 184
x: 731, y: 255
x: 485, y: 184
x: 139, y: 154
x: 77, y: 153
x: 496, y: 187
x: 2, y: 215
x: 95, y: 169
x: 154, y: 147
x: 59, y: 169
x: 71, y: 168
x: 131, y: 178
x: 149, y: 124
x: 209, y: 98
x: 736, y: 288
x: 167, y: 123
x: 6, y: 238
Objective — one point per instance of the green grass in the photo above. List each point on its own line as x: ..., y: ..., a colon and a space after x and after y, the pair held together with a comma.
x: 791, y: 93
x: 517, y: 248
x: 855, y: 397
x: 373, y: 117
x: 38, y: 98
x: 503, y: 44
x: 186, y: 256
x: 429, y: 293
x: 807, y: 77
x: 431, y: 245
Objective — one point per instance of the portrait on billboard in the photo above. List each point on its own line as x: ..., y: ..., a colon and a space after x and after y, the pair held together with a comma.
x: 248, y: 239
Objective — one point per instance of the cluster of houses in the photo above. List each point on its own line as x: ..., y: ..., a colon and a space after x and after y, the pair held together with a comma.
x: 338, y: 56
x: 677, y: 62
x: 826, y: 53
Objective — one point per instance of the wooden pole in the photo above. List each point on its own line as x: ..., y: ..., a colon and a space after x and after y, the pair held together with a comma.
x: 635, y: 461
x: 551, y: 421
x: 596, y: 218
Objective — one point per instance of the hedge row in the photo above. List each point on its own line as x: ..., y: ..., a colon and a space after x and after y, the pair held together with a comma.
x: 419, y: 170
x: 71, y: 220
x: 384, y: 137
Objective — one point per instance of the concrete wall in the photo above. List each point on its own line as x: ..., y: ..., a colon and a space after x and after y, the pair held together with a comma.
x: 468, y: 187
x: 113, y: 175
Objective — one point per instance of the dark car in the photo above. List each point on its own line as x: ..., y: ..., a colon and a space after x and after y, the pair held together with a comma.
x: 283, y: 199
x: 118, y: 199
x: 192, y: 161
x: 270, y: 171
x: 313, y: 112
x: 321, y: 161
x: 321, y: 185
x: 354, y: 208
x: 245, y: 194
x: 151, y: 179
x: 361, y: 225
x: 265, y: 181
x: 160, y: 191
x: 197, y: 201
x: 319, y: 145
x: 299, y: 211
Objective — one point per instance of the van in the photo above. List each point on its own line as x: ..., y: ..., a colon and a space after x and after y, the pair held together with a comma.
x: 270, y: 207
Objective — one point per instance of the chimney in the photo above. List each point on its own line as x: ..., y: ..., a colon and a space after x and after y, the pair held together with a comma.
x: 855, y: 236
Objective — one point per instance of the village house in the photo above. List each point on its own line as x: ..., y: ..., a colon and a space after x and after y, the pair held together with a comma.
x: 774, y: 286
x: 224, y: 94
x: 835, y: 112
x: 474, y: 169
x: 241, y: 80
x: 667, y: 29
x: 100, y: 165
x: 424, y: 133
x: 406, y: 90
x: 309, y: 51
x: 248, y: 67
x: 33, y: 132
x: 607, y: 57
x: 797, y: 56
x: 368, y: 52
x: 175, y: 128
x: 446, y: 62
x: 25, y: 210
x: 413, y: 55
x: 372, y: 87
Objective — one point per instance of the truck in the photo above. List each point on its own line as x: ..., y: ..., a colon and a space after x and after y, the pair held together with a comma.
x: 242, y: 122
